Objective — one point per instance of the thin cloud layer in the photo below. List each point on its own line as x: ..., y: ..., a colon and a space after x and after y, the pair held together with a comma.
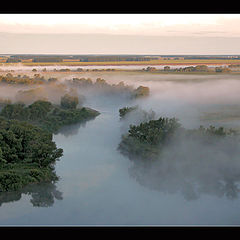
x: 120, y: 33
x: 143, y: 24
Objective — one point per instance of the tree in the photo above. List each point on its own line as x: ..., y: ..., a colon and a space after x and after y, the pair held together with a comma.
x: 201, y: 68
x: 141, y: 91
x: 126, y: 110
x: 100, y: 81
x: 222, y: 69
x: 27, y: 155
x: 13, y: 111
x: 22, y: 142
x: 46, y: 115
x: 39, y: 110
x: 166, y: 68
x: 69, y: 102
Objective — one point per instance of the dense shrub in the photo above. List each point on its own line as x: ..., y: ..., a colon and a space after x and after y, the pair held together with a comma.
x: 46, y: 115
x: 27, y: 154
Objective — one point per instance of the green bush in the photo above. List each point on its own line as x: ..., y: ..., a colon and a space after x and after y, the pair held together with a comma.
x: 146, y: 140
x: 69, y: 102
x: 46, y: 115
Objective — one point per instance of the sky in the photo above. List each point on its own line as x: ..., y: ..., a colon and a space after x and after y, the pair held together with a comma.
x: 120, y: 33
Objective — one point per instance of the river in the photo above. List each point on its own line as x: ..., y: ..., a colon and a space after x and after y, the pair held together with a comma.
x: 95, y: 187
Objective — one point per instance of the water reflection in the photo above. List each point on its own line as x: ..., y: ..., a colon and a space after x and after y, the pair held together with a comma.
x: 42, y: 194
x: 191, y: 189
x: 71, y: 130
x: 194, y: 169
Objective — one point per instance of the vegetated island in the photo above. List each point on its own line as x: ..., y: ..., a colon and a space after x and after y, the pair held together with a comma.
x: 27, y: 151
x: 167, y: 157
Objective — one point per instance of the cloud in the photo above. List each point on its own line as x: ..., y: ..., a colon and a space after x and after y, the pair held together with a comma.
x: 132, y: 24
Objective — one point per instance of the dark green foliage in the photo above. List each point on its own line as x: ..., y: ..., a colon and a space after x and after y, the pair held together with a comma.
x: 69, y: 102
x: 14, y: 111
x: 21, y: 175
x: 39, y: 110
x: 27, y: 154
x: 46, y: 115
x: 24, y: 143
x: 154, y: 131
x: 126, y: 110
x: 60, y: 117
x: 136, y: 112
x: 169, y: 158
x: 146, y: 140
x: 10, y: 181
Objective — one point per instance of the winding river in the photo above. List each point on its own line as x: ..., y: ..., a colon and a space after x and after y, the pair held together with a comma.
x: 95, y: 187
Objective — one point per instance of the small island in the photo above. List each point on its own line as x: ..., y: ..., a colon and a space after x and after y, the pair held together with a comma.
x: 170, y: 158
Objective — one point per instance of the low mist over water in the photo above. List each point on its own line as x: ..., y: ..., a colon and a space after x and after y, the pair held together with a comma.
x: 100, y: 186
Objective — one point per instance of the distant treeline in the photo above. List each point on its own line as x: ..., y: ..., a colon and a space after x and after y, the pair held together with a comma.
x: 10, y: 79
x: 81, y: 58
x: 90, y: 58
x: 212, y: 57
x: 198, y: 68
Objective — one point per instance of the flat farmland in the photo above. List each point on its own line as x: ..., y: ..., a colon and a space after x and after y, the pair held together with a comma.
x: 151, y: 62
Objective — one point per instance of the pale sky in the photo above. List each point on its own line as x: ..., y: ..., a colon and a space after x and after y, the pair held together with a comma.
x: 19, y: 33
x: 147, y: 24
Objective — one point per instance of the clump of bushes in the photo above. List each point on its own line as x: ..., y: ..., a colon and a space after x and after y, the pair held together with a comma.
x: 48, y: 116
x: 27, y: 155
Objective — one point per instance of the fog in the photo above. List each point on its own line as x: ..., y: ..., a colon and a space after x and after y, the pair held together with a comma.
x: 194, y: 183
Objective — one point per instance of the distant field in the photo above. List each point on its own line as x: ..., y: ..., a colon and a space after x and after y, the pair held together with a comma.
x: 152, y: 62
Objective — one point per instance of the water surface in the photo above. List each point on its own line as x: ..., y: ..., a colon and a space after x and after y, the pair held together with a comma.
x: 96, y: 188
